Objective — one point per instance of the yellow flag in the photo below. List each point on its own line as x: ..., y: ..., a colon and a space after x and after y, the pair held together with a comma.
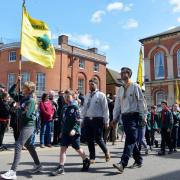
x: 177, y: 93
x: 139, y: 74
x: 36, y: 41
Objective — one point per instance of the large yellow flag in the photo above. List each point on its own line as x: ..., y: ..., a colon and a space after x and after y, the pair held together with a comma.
x: 140, y: 73
x: 36, y: 41
x: 177, y: 93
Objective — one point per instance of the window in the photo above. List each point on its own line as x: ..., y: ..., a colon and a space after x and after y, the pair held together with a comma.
x: 81, y: 64
x: 159, y: 65
x: 81, y: 86
x: 160, y: 96
x: 178, y: 63
x: 12, y: 56
x: 40, y: 82
x: 25, y: 77
x: 96, y: 67
x: 11, y: 80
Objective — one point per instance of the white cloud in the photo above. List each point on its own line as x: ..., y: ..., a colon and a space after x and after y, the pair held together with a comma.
x: 178, y: 19
x: 171, y: 27
x: 176, y: 4
x: 128, y: 7
x: 115, y: 6
x: 131, y: 24
x: 97, y: 16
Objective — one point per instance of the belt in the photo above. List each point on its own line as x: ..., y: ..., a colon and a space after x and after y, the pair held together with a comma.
x: 130, y: 113
x: 91, y: 118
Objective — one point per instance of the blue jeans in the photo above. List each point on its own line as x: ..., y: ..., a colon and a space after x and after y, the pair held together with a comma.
x: 46, y: 129
x: 130, y: 123
x: 141, y: 135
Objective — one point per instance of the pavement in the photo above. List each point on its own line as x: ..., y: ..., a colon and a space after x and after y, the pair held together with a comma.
x: 154, y: 167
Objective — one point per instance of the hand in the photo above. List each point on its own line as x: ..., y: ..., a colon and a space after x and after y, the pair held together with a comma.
x: 113, y: 123
x: 159, y: 130
x: 72, y: 133
x: 18, y: 79
x: 168, y: 130
x: 106, y: 125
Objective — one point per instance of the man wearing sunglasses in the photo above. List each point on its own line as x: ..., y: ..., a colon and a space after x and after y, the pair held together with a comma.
x: 131, y: 105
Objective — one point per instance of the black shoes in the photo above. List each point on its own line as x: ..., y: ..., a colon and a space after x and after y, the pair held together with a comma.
x: 161, y: 153
x: 136, y: 165
x: 119, y: 167
x: 58, y: 170
x: 86, y: 164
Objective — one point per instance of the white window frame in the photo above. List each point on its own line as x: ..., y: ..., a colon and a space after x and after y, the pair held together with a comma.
x: 155, y: 68
x: 40, y: 86
x: 11, y: 82
x: 11, y: 56
x: 96, y: 67
x: 81, y: 85
x: 82, y: 64
x: 178, y: 62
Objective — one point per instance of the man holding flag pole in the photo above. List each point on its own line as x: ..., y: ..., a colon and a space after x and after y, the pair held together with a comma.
x: 36, y: 47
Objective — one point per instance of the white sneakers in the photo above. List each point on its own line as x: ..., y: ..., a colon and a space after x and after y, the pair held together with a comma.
x: 9, y: 175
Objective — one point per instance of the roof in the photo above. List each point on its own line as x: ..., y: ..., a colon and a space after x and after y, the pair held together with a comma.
x: 168, y: 32
x: 112, y: 77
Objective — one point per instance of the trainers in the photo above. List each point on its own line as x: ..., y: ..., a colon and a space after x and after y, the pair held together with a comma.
x: 146, y: 151
x: 135, y: 165
x: 161, y: 153
x: 42, y: 146
x: 9, y: 175
x: 170, y: 151
x: 37, y: 168
x: 86, y: 164
x: 57, y: 171
x: 119, y: 167
x: 107, y: 157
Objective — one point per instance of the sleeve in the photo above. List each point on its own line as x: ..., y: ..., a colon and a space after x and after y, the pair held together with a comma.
x: 43, y: 110
x: 105, y: 109
x: 117, y: 107
x: 77, y: 120
x: 171, y: 120
x: 12, y: 92
x: 83, y: 109
x: 30, y: 109
x: 142, y: 106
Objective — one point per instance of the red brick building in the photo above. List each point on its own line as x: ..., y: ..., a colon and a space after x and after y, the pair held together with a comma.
x: 73, y: 68
x: 162, y: 66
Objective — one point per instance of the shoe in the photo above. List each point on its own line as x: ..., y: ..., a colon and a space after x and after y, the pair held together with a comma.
x: 42, y: 146
x: 24, y: 148
x: 49, y: 145
x: 9, y: 175
x: 113, y: 143
x: 156, y: 143
x: 119, y: 167
x: 175, y: 150
x: 37, y: 168
x: 58, y: 170
x: 136, y: 165
x: 146, y: 151
x: 107, y: 157
x: 86, y: 164
x: 3, y: 148
x: 161, y: 153
x: 170, y: 152
x: 92, y: 161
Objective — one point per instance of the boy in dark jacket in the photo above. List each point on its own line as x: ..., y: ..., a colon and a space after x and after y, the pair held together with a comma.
x: 70, y: 133
x: 165, y: 125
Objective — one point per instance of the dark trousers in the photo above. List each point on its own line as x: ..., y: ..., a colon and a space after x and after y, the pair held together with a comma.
x: 165, y: 139
x: 56, y: 134
x: 94, y: 133
x: 130, y: 123
x: 150, y: 137
x: 3, y: 126
x: 175, y: 136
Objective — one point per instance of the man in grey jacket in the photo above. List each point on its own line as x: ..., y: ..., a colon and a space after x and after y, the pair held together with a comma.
x: 131, y: 105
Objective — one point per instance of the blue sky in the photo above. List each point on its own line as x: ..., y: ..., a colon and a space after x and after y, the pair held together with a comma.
x: 114, y: 26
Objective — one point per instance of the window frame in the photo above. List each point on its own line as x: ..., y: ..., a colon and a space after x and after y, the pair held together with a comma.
x: 178, y: 62
x: 40, y: 88
x: 82, y: 62
x: 10, y: 56
x: 94, y: 67
x: 13, y: 82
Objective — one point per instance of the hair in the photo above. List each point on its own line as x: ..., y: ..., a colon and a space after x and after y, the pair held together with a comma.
x: 4, y: 94
x: 30, y: 85
x: 164, y: 102
x: 153, y: 107
x: 69, y: 92
x: 43, y: 97
x: 93, y: 80
x: 128, y: 70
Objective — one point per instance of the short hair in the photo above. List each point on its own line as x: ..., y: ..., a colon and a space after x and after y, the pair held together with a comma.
x: 93, y: 80
x: 30, y: 85
x: 44, y: 95
x: 69, y: 92
x: 164, y: 102
x: 2, y: 85
x: 128, y: 70
x: 153, y: 107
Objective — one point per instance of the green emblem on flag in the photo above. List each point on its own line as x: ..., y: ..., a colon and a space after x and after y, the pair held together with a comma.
x: 43, y: 42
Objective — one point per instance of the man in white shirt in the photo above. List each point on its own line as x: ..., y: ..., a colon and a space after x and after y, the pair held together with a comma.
x: 129, y: 103
x: 95, y: 114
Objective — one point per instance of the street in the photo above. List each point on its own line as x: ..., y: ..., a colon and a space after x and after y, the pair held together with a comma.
x: 154, y: 167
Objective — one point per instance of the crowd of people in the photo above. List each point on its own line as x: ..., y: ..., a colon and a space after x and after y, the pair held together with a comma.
x: 94, y: 118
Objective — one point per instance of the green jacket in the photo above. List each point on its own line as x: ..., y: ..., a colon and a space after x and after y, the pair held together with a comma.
x: 26, y: 111
x: 168, y: 120
x: 176, y: 118
x: 70, y: 119
x: 150, y: 124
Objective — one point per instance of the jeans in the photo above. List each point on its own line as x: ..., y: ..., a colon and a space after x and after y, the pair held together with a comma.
x: 175, y: 136
x: 94, y: 133
x: 46, y: 132
x: 130, y: 123
x: 141, y: 135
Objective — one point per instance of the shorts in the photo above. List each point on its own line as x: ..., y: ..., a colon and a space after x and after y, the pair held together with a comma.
x: 74, y: 141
